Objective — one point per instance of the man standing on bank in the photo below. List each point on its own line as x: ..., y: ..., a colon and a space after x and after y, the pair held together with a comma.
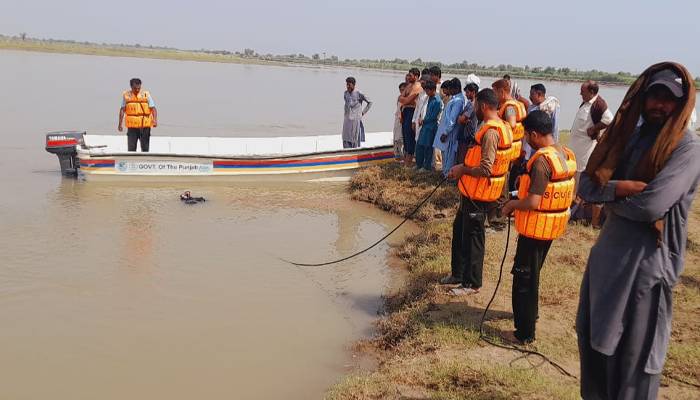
x: 541, y: 214
x: 353, y: 129
x: 141, y: 115
x: 481, y: 177
x: 646, y: 170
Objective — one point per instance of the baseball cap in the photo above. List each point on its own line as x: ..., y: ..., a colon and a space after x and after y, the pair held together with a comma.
x: 669, y: 79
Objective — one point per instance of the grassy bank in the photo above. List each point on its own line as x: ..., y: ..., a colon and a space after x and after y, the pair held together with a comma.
x: 428, y: 343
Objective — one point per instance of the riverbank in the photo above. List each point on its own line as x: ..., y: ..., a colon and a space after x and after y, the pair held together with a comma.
x: 249, y: 56
x: 428, y: 344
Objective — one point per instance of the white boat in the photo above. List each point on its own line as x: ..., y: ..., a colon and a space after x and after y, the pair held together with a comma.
x: 176, y: 158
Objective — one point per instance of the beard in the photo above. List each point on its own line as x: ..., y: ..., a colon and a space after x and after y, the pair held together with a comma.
x: 655, y: 117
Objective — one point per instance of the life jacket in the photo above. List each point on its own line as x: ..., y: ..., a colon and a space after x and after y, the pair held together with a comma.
x: 138, y: 113
x: 488, y: 188
x: 519, y: 130
x: 548, y: 221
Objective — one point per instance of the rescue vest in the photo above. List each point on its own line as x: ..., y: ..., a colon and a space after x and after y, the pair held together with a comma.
x: 519, y: 130
x: 137, y: 110
x: 548, y: 221
x: 488, y: 188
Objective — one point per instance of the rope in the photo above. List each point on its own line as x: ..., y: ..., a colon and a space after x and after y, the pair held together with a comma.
x: 488, y: 340
x: 411, y: 214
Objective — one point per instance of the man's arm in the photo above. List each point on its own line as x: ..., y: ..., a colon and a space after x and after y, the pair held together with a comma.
x: 675, y: 179
x: 368, y: 101
x: 605, y: 120
x: 489, y: 146
x: 611, y: 191
x: 511, y: 117
x: 120, y: 127
x: 450, y: 121
x: 408, y: 97
x: 155, y: 116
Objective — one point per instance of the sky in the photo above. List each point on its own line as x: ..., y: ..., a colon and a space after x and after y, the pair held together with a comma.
x: 607, y: 35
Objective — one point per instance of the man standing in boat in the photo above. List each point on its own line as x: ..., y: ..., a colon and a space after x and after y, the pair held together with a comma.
x: 353, y: 130
x: 141, y: 115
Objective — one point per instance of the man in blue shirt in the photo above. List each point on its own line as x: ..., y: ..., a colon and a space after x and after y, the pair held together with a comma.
x: 448, y: 130
x: 467, y: 120
x: 429, y: 126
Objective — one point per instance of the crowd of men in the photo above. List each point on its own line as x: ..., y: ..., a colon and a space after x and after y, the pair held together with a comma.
x: 643, y: 163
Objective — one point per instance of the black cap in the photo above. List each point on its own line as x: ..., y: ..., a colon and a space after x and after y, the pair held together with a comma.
x: 669, y: 79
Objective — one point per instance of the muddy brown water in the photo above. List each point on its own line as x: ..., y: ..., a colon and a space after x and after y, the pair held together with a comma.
x: 109, y: 290
x: 116, y: 290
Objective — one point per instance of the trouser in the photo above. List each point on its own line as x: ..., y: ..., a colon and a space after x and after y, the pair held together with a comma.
x: 620, y: 376
x: 142, y: 135
x: 468, y: 239
x: 529, y: 258
x: 496, y: 220
x: 448, y: 159
x: 424, y: 156
x: 409, y: 135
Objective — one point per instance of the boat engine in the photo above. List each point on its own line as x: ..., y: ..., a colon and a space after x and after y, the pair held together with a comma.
x: 63, y: 145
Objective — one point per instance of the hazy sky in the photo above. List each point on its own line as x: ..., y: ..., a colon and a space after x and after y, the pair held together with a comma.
x: 609, y: 35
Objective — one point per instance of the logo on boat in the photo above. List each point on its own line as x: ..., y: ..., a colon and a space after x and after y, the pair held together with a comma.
x: 162, y: 167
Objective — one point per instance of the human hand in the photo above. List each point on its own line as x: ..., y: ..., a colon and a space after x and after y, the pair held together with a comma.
x: 155, y: 124
x: 120, y: 128
x: 629, y: 188
x: 455, y: 172
x: 443, y: 138
x: 592, y: 133
x: 462, y: 119
x: 508, y: 208
x: 420, y: 121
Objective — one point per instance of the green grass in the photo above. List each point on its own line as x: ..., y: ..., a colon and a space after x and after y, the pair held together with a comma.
x: 428, y: 344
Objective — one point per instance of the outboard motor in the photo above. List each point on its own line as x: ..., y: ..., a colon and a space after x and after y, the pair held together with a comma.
x: 63, y: 145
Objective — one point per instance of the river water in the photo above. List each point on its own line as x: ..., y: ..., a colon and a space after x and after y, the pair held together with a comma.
x: 115, y: 290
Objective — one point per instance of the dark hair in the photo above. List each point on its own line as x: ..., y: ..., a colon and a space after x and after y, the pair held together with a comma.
x: 539, y: 88
x: 134, y: 81
x: 429, y: 85
x: 472, y: 87
x: 402, y: 85
x: 538, y: 121
x: 593, y: 87
x: 414, y: 71
x: 487, y: 96
x: 446, y: 84
x: 435, y: 70
x: 506, y: 77
x: 456, y: 83
x: 350, y: 79
x: 425, y: 71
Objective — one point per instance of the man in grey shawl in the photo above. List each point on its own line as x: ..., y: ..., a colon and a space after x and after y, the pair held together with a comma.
x: 646, y: 170
x: 353, y: 130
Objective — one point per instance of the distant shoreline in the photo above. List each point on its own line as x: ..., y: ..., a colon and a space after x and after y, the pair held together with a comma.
x: 136, y: 51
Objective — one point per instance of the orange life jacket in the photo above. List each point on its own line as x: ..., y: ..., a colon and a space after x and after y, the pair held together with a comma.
x: 138, y: 113
x: 519, y: 130
x: 488, y: 188
x: 549, y: 220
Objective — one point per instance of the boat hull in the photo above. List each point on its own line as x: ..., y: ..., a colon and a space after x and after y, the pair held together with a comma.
x: 169, y: 167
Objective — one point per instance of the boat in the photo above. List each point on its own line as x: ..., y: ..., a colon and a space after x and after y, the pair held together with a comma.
x: 105, y: 157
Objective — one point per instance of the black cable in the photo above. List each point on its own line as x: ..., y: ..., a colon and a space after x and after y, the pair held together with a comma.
x: 486, y: 339
x: 378, y: 241
x: 482, y: 336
